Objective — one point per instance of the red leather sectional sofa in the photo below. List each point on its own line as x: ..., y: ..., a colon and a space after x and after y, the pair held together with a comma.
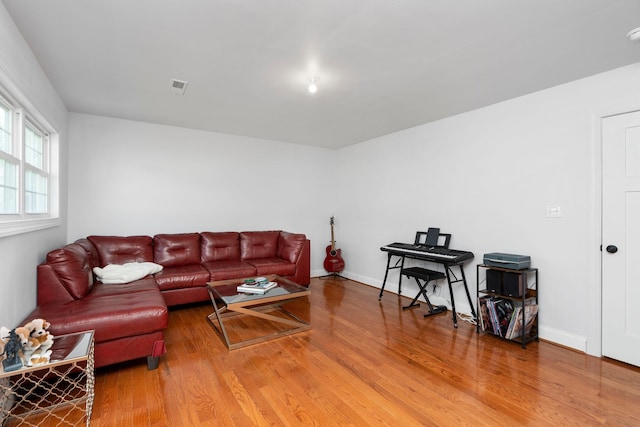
x: 129, y: 319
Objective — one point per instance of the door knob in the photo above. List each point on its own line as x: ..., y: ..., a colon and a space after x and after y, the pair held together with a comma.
x: 612, y: 249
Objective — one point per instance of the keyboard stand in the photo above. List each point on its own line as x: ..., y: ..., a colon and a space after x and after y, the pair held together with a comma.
x: 462, y: 280
x: 399, y: 264
x: 437, y: 239
x: 450, y: 275
x: 426, y: 276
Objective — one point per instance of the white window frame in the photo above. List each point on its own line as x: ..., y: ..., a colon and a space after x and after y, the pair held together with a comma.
x: 21, y: 115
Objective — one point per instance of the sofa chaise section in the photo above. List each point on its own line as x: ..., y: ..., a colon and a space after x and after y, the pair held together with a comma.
x: 128, y: 319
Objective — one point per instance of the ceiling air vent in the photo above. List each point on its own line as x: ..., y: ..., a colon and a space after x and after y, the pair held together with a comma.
x: 178, y: 86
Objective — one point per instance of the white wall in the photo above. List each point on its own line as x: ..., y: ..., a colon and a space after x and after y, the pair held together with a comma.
x: 21, y: 74
x: 486, y: 177
x: 128, y: 177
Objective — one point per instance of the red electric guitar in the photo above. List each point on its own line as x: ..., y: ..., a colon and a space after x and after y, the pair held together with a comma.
x: 333, y: 262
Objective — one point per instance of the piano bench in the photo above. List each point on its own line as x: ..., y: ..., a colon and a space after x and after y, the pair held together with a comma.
x: 422, y: 273
x: 426, y: 275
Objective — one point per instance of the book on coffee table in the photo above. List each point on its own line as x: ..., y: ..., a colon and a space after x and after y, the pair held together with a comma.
x: 256, y: 286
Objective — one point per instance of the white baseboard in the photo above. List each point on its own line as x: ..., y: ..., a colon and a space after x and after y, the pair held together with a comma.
x: 563, y: 338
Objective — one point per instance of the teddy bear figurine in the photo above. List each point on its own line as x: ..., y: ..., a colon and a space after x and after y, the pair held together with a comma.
x: 38, y: 332
x: 39, y: 358
x: 37, y: 327
x: 29, y: 343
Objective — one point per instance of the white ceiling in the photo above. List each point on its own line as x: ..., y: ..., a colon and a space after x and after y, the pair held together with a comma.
x: 384, y: 65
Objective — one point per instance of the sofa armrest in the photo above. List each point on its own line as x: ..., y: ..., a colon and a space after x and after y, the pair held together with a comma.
x: 303, y: 265
x: 51, y: 291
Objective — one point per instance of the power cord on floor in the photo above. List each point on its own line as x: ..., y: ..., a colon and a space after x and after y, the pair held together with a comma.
x: 466, y: 317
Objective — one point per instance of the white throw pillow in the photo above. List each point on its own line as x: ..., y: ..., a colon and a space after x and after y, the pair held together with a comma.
x: 126, y: 273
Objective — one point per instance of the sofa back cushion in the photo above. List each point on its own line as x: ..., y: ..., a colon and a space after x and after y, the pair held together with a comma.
x: 71, y: 265
x: 172, y: 250
x: 92, y: 253
x: 121, y: 250
x: 258, y: 244
x: 290, y: 246
x: 222, y: 246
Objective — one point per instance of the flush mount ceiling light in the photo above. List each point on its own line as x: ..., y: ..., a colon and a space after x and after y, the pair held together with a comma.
x: 313, y: 87
x: 634, y: 35
x: 178, y: 86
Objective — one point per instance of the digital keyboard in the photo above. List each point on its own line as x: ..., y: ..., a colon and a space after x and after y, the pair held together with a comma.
x: 429, y: 253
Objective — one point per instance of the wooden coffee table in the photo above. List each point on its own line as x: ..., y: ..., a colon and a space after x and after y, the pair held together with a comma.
x: 227, y: 303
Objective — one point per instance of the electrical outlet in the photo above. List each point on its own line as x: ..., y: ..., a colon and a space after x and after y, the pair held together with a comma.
x: 554, y: 211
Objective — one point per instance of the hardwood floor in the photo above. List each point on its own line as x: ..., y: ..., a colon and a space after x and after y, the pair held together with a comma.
x: 364, y: 363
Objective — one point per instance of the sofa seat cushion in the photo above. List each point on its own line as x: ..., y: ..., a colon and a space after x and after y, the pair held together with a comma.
x: 186, y: 276
x: 277, y: 266
x: 142, y: 285
x: 223, y: 270
x: 111, y: 316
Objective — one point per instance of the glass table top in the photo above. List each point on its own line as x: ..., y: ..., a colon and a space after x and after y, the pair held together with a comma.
x: 65, y: 348
x: 227, y: 290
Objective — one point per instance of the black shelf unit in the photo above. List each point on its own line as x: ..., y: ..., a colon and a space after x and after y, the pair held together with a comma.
x: 530, y: 290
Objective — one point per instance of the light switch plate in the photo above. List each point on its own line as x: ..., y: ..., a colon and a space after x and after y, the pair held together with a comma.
x: 554, y: 211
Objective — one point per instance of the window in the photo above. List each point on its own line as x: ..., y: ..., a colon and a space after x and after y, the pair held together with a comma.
x: 26, y: 185
x: 36, y: 187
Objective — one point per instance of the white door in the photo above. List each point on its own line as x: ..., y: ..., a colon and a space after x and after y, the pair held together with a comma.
x: 621, y: 237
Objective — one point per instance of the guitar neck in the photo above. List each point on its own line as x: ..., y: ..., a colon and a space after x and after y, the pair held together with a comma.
x: 333, y: 241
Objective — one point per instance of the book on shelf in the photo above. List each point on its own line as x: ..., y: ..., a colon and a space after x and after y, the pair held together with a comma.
x: 504, y: 312
x: 530, y: 313
x: 483, y: 314
x: 491, y: 304
x: 514, y: 330
x: 512, y: 322
x: 503, y: 316
x: 259, y: 285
